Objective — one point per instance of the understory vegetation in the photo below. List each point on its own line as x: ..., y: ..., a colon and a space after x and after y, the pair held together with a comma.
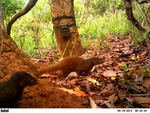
x: 97, y: 20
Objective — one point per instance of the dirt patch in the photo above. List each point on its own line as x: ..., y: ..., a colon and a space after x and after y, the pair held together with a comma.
x: 12, y: 59
x: 46, y: 95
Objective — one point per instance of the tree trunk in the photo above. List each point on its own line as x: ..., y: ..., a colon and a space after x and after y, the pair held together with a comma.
x: 71, y: 45
x: 12, y: 59
x: 1, y: 16
x: 130, y: 16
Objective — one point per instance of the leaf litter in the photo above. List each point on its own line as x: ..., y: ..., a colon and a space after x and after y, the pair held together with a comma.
x: 120, y: 82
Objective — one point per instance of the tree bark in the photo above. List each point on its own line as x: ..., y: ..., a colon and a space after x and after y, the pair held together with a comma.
x: 130, y: 16
x: 73, y: 44
x: 22, y: 12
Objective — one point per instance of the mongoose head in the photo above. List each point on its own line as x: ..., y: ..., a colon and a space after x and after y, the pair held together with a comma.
x: 23, y: 79
x: 96, y: 60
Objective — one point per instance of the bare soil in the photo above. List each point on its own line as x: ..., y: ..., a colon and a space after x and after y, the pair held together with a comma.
x: 46, y: 95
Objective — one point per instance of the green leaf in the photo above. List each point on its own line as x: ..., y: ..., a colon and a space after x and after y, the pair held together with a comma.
x: 128, y: 73
x: 139, y: 79
x: 134, y: 87
x: 124, y: 67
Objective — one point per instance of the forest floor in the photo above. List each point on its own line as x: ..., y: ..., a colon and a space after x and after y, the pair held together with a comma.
x: 122, y: 81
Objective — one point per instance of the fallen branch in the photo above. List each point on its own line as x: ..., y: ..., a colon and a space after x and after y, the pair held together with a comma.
x: 138, y: 95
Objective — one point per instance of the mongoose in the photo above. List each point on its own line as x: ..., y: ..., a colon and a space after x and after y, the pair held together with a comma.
x: 11, y: 90
x: 72, y: 64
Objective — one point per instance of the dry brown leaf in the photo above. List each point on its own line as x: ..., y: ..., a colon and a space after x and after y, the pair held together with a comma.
x: 141, y: 100
x: 89, y: 52
x: 107, y: 93
x: 107, y: 55
x: 59, y: 82
x: 45, y: 75
x: 101, y: 56
x: 32, y: 21
x: 146, y: 105
x: 116, y: 50
x: 92, y: 103
x: 120, y: 64
x: 38, y: 21
x: 147, y: 82
x: 72, y: 75
x: 140, y: 57
x: 87, y: 86
x: 109, y: 73
x: 127, y: 102
x: 79, y: 92
x: 126, y: 49
x: 68, y: 90
x: 72, y: 82
x: 145, y: 53
x: 141, y: 88
x: 111, y: 100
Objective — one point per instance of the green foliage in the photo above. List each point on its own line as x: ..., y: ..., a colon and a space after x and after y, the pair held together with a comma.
x: 33, y: 32
x: 127, y: 78
x: 125, y: 73
x: 145, y: 71
x: 134, y: 87
x: 99, y: 26
x: 124, y: 67
x: 141, y: 13
x: 10, y: 7
x: 96, y: 21
x: 117, y: 24
x: 101, y: 6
